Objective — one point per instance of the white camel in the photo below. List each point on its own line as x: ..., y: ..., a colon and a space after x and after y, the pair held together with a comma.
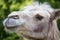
x: 34, y: 22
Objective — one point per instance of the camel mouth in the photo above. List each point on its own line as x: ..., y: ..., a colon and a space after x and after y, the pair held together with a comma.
x: 12, y: 28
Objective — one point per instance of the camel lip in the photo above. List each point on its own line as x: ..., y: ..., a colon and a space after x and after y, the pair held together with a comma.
x: 12, y: 28
x: 9, y: 27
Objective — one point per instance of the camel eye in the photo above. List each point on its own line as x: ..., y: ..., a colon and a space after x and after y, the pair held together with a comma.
x: 38, y: 17
x: 14, y: 17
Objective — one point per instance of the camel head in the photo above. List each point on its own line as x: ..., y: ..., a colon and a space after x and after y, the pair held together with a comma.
x: 32, y: 21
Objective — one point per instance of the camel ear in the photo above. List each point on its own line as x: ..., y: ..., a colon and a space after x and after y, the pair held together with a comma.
x: 55, y: 14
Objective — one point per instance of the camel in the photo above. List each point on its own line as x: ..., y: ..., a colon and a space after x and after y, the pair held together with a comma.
x: 34, y: 22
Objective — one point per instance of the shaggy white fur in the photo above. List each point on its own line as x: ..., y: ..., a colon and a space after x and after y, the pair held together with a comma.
x: 35, y: 21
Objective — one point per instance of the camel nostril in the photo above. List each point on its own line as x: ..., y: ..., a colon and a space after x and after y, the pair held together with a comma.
x: 7, y: 21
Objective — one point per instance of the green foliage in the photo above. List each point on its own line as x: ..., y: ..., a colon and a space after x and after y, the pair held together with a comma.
x: 7, y: 6
x: 11, y: 36
x: 58, y: 23
x: 53, y: 3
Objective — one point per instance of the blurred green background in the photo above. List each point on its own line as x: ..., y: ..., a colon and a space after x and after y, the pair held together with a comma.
x: 7, y: 6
